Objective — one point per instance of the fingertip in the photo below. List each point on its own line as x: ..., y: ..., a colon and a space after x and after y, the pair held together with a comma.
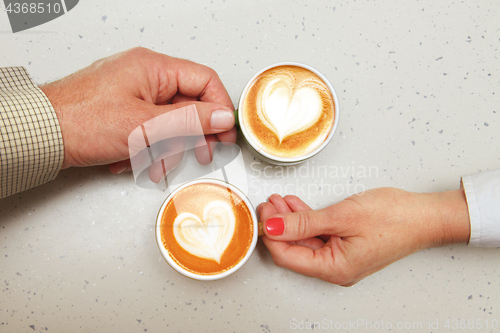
x: 119, y: 167
x: 266, y: 210
x: 280, y: 204
x: 204, y: 149
x: 222, y: 120
x: 228, y: 138
x: 259, y: 209
x: 167, y: 161
x: 275, y: 196
x: 274, y: 226
x: 157, y: 172
x: 296, y: 204
x: 119, y: 170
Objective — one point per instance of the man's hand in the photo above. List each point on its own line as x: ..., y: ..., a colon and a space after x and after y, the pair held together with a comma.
x: 348, y: 241
x: 99, y: 106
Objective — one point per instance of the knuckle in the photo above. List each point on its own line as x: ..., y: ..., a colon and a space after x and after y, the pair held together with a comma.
x: 192, y: 123
x: 139, y: 54
x: 350, y: 212
x: 339, y: 280
x: 302, y: 226
x: 343, y: 275
x: 278, y: 261
x: 138, y: 50
x: 212, y: 72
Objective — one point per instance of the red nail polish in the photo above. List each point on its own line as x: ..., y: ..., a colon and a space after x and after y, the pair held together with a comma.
x: 275, y: 226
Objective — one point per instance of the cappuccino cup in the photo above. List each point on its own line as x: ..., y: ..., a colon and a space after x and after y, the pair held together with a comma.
x: 288, y: 112
x: 206, y: 229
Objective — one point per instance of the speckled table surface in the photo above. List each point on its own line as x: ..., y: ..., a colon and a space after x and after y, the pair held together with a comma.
x: 418, y: 90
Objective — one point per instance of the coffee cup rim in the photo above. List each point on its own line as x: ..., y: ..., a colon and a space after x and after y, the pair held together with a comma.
x: 294, y: 159
x: 164, y: 252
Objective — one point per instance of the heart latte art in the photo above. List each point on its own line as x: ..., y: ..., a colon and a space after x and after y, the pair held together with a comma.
x: 285, y: 110
x: 206, y: 228
x: 289, y: 111
x: 208, y: 238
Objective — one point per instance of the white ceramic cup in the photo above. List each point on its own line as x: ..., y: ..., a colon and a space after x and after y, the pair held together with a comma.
x: 164, y: 252
x: 273, y: 159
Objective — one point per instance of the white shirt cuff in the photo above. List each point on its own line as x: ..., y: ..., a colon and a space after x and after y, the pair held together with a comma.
x: 482, y: 191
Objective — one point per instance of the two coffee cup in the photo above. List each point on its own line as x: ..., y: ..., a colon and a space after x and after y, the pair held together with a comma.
x: 207, y: 229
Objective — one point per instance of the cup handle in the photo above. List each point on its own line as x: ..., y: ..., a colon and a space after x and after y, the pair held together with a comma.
x: 261, y: 229
x: 236, y: 120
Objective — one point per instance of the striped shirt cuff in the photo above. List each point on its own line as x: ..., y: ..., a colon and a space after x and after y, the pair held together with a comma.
x: 31, y: 145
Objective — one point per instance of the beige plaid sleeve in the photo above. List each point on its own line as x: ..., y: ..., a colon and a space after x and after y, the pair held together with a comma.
x: 31, y: 145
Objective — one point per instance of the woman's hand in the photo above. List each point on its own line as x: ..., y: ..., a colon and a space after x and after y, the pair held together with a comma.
x: 347, y: 241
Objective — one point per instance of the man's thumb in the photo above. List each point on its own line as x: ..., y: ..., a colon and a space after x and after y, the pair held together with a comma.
x: 184, y: 119
x: 299, y: 225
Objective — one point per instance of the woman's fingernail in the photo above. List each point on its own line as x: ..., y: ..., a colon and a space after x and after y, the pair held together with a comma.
x: 275, y: 226
x: 121, y: 170
x: 222, y: 119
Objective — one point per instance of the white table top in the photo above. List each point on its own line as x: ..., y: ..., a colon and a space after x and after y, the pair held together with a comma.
x: 419, y: 102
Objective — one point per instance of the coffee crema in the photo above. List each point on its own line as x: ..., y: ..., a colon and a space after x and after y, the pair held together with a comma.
x: 289, y: 111
x: 206, y: 228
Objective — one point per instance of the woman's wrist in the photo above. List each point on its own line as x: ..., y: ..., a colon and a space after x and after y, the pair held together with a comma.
x: 449, y: 217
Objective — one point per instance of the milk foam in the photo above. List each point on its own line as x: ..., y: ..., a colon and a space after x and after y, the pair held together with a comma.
x: 207, y: 238
x: 287, y: 111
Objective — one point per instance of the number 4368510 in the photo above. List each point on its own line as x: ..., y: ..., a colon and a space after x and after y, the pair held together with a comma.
x: 33, y: 8
x: 456, y: 324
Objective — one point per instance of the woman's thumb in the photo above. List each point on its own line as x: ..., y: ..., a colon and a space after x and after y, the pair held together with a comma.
x: 299, y: 225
